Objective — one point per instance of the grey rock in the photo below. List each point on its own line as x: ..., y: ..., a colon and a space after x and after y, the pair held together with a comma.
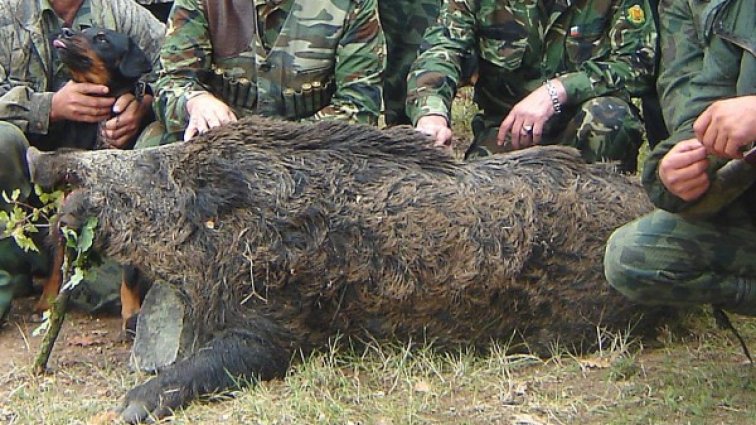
x: 164, y: 330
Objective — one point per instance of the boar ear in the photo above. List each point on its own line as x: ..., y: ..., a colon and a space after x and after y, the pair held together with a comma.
x: 135, y: 62
x: 50, y: 169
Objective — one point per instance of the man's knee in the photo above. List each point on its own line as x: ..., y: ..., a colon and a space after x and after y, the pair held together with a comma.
x: 155, y: 134
x: 610, y: 114
x: 150, y: 136
x: 624, y: 262
x: 13, y: 174
x: 609, y: 128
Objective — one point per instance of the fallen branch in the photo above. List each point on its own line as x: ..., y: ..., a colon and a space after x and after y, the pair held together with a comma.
x: 55, y: 322
x: 77, y: 244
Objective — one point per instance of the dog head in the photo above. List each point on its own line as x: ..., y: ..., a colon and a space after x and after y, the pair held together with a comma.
x: 102, y: 56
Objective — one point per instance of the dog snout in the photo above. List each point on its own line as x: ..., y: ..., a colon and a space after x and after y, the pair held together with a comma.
x: 67, y: 32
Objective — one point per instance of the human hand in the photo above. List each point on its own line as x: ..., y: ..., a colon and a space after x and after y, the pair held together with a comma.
x: 81, y: 102
x: 683, y: 170
x: 205, y: 112
x: 525, y: 121
x: 726, y: 126
x: 436, y: 127
x: 120, y: 130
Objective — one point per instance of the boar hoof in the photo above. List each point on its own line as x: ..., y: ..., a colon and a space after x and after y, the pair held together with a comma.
x: 152, y: 401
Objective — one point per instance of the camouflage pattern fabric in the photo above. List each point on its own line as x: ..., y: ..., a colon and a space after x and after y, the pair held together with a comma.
x: 404, y: 23
x: 601, y: 128
x: 29, y: 69
x: 596, y: 48
x: 304, y: 59
x: 160, y: 8
x: 662, y: 258
x: 29, y: 74
x: 708, y: 53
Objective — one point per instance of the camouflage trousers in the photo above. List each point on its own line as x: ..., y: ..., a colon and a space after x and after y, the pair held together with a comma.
x: 665, y: 259
x: 404, y: 23
x: 18, y: 267
x: 602, y: 128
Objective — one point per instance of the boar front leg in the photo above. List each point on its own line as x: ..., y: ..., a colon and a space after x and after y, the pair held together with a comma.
x: 234, y: 357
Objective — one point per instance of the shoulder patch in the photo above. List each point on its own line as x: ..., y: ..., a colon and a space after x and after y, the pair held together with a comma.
x: 636, y: 15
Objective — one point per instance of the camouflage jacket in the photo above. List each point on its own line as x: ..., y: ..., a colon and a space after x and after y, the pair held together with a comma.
x: 325, y: 62
x: 708, y: 53
x: 596, y: 47
x: 29, y: 69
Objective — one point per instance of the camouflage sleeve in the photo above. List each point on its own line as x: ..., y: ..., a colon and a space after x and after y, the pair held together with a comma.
x: 136, y: 21
x: 186, y: 54
x: 433, y: 78
x: 629, y: 63
x: 360, y: 61
x: 20, y: 103
x: 686, y: 87
x: 25, y: 105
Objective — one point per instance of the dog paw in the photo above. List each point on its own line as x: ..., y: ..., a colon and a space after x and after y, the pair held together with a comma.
x: 129, y: 327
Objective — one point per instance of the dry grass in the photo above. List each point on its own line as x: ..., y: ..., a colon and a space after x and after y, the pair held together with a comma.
x: 694, y: 374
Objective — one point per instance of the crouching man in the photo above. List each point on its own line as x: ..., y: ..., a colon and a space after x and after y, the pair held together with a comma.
x: 678, y: 255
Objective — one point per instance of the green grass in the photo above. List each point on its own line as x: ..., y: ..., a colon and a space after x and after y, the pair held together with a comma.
x: 694, y: 374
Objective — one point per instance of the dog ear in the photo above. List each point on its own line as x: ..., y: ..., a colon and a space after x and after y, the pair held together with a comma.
x: 135, y: 62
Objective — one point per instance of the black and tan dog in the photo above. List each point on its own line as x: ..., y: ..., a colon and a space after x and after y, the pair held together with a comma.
x: 105, y: 57
x: 109, y: 58
x: 102, y: 56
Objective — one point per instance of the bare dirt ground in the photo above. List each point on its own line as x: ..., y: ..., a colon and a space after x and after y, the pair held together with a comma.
x: 84, y: 339
x: 87, y: 347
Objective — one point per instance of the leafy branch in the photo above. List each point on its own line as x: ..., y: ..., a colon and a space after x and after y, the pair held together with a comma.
x: 24, y: 220
x: 74, y: 271
x: 80, y: 245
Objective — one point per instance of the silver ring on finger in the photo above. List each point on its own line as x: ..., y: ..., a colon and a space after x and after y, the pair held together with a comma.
x: 527, y: 130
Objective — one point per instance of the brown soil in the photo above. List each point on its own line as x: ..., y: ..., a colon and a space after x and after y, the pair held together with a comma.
x: 84, y: 340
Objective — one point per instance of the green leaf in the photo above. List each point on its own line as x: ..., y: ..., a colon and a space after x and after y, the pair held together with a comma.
x: 71, y: 237
x: 24, y: 242
x: 5, y: 223
x: 52, y: 199
x: 75, y: 279
x: 87, y: 235
x: 18, y: 216
x: 44, y: 325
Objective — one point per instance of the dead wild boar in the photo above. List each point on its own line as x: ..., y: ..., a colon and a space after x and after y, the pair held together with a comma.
x: 281, y: 235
